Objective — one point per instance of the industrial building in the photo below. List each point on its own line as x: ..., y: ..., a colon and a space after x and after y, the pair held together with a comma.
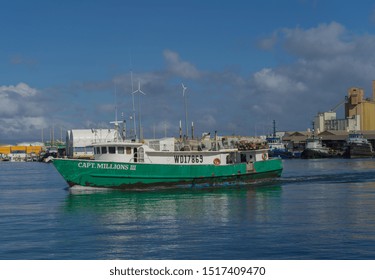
x: 357, y: 105
x: 359, y: 113
x: 359, y: 116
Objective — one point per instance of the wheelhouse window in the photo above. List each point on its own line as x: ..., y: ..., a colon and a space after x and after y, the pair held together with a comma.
x: 128, y: 150
x: 104, y: 150
x: 112, y: 150
x: 120, y: 150
x: 97, y: 150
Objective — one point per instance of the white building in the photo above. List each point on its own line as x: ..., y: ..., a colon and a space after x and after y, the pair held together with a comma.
x: 79, y: 141
x: 328, y: 121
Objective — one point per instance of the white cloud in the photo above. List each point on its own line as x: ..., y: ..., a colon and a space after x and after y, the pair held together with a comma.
x: 7, y: 106
x: 21, y: 89
x: 19, y: 100
x: 23, y: 126
x: 325, y: 40
x: 22, y: 112
x: 180, y: 68
x: 269, y: 80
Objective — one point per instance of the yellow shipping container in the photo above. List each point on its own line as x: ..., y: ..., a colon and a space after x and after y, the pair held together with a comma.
x: 5, y: 150
x: 33, y: 149
x: 18, y: 148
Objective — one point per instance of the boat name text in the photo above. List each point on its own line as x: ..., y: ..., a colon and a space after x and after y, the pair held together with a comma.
x: 117, y: 166
x: 188, y: 159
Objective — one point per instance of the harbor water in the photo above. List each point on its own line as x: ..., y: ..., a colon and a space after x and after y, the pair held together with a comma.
x: 319, y: 209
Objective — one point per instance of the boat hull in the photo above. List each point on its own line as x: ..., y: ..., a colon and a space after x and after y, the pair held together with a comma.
x: 311, y: 153
x: 361, y: 150
x: 284, y: 154
x: 143, y: 175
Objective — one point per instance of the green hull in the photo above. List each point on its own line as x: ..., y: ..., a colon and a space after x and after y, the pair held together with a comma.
x: 143, y: 175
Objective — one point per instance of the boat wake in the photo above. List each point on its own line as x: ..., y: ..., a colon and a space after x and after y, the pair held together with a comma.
x: 78, y: 189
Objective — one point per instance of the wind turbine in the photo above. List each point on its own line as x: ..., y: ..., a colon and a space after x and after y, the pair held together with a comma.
x: 139, y: 108
x: 184, y: 95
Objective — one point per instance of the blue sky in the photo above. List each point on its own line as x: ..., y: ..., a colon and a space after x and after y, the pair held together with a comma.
x: 245, y: 63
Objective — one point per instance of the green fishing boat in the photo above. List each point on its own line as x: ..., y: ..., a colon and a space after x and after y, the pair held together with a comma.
x: 163, y: 163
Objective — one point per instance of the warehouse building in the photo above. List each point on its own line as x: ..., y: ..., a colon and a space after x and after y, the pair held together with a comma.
x: 79, y: 141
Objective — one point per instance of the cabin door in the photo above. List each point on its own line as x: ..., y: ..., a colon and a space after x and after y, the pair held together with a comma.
x: 135, y: 155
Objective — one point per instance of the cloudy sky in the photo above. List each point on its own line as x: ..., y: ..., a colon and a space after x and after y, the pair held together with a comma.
x: 244, y: 63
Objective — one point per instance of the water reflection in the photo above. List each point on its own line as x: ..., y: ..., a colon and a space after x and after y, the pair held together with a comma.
x: 179, y: 203
x: 140, y: 224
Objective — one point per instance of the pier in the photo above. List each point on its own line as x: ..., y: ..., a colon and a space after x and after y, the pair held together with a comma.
x: 334, y: 139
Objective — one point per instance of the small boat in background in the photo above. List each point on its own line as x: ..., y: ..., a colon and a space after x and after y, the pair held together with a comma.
x: 4, y: 157
x: 49, y: 155
x: 276, y: 147
x: 357, y: 146
x: 315, y: 149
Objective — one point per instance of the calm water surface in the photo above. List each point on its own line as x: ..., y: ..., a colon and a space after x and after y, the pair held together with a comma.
x: 318, y: 209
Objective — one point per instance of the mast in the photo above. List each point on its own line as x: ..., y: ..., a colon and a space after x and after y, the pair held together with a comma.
x: 139, y: 108
x: 180, y: 131
x: 192, y: 130
x: 132, y: 93
x: 313, y: 130
x: 118, y: 135
x: 185, y: 101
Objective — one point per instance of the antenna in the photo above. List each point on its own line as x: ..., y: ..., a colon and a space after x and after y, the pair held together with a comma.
x: 180, y: 131
x: 116, y: 123
x: 132, y: 93
x: 115, y: 101
x: 139, y: 107
x: 184, y: 95
x: 123, y: 132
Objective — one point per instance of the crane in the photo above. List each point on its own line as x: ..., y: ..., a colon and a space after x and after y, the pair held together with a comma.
x: 338, y: 105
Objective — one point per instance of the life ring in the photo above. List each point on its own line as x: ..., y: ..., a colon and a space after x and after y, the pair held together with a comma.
x: 217, y: 161
x: 265, y: 156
